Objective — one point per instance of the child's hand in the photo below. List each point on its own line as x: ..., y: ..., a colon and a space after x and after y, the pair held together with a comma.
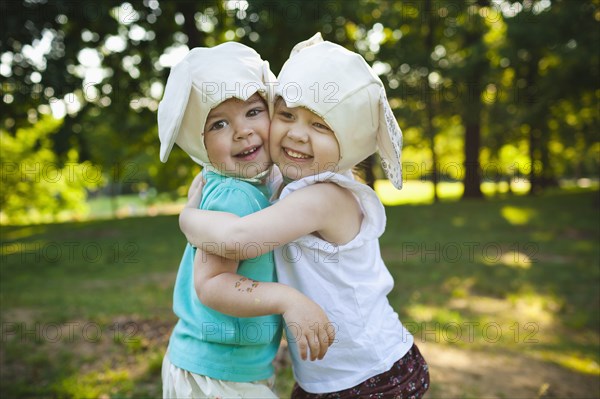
x: 195, y: 192
x: 310, y: 327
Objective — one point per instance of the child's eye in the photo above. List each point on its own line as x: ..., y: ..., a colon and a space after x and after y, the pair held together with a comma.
x: 286, y: 115
x: 254, y: 111
x: 322, y: 126
x: 218, y: 125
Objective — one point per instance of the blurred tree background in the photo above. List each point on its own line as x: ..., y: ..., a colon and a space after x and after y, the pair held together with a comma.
x: 485, y: 90
x: 494, y: 97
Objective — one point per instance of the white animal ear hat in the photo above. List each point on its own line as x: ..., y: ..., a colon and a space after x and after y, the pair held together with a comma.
x: 201, y: 81
x: 340, y: 87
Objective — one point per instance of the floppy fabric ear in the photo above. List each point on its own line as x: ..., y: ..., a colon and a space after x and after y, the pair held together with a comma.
x: 172, y: 107
x: 389, y: 142
x: 316, y: 39
x: 270, y: 81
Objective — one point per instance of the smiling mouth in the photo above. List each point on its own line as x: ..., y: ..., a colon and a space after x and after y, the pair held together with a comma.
x: 249, y: 151
x: 296, y: 154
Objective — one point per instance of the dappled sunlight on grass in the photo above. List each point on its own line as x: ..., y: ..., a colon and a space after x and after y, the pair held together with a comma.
x: 511, y: 290
x: 516, y: 259
x: 31, y: 250
x: 535, y: 307
x: 573, y: 361
x: 494, y: 254
x: 459, y: 287
x: 484, y: 293
x: 480, y: 321
x: 415, y: 192
x: 426, y: 313
x: 458, y: 221
x: 461, y: 372
x: 421, y: 192
x: 526, y: 322
x: 479, y: 306
x: 516, y: 186
x: 531, y: 312
x: 132, y: 206
x: 23, y: 232
x: 96, y: 384
x: 517, y: 216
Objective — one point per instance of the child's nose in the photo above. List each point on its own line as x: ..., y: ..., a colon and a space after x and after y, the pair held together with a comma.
x: 297, y: 133
x: 243, y: 132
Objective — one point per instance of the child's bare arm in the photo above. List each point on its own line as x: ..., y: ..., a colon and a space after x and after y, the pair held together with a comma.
x: 326, y: 209
x: 220, y: 288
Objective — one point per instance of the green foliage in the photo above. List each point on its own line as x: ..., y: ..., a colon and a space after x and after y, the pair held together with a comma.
x: 471, y: 81
x: 36, y: 185
x: 553, y: 61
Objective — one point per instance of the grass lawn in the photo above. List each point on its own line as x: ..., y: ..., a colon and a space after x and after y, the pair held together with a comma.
x: 502, y: 296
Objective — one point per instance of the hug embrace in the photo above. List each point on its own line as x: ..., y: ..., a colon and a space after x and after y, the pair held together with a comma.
x: 281, y: 237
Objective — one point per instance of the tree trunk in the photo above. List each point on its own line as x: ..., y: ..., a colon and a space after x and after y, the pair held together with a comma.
x: 472, y: 180
x: 535, y: 187
x: 431, y: 134
x: 471, y: 120
x: 535, y: 133
x: 114, y: 201
x: 429, y: 118
x: 188, y: 9
x: 473, y: 108
x: 548, y: 176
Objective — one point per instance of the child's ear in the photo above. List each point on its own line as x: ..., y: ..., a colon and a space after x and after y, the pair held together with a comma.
x: 389, y: 142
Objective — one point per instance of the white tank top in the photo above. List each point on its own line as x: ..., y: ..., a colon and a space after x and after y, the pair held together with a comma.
x: 351, y: 284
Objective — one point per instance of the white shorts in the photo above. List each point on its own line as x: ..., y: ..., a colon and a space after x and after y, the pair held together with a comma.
x: 180, y: 384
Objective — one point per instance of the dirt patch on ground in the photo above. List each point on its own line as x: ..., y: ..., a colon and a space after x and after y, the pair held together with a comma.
x: 458, y: 373
x: 455, y: 372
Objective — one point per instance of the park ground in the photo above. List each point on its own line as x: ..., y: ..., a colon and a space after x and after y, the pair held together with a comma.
x: 501, y: 295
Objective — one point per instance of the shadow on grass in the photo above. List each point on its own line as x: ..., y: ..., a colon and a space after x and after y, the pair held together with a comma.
x: 518, y: 275
x: 512, y: 277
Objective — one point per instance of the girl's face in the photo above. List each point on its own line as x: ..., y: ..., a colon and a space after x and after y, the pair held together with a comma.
x: 236, y: 137
x: 302, y: 144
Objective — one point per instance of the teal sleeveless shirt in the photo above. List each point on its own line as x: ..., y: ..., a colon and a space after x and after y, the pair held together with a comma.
x: 210, y: 343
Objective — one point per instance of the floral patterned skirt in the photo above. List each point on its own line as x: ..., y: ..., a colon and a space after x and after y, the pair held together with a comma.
x: 408, y: 378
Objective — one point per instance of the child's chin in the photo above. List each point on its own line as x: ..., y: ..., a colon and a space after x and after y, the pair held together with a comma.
x: 293, y: 175
x: 291, y: 171
x: 252, y: 170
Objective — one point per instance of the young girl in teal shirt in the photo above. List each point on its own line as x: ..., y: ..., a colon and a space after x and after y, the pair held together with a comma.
x: 215, y: 109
